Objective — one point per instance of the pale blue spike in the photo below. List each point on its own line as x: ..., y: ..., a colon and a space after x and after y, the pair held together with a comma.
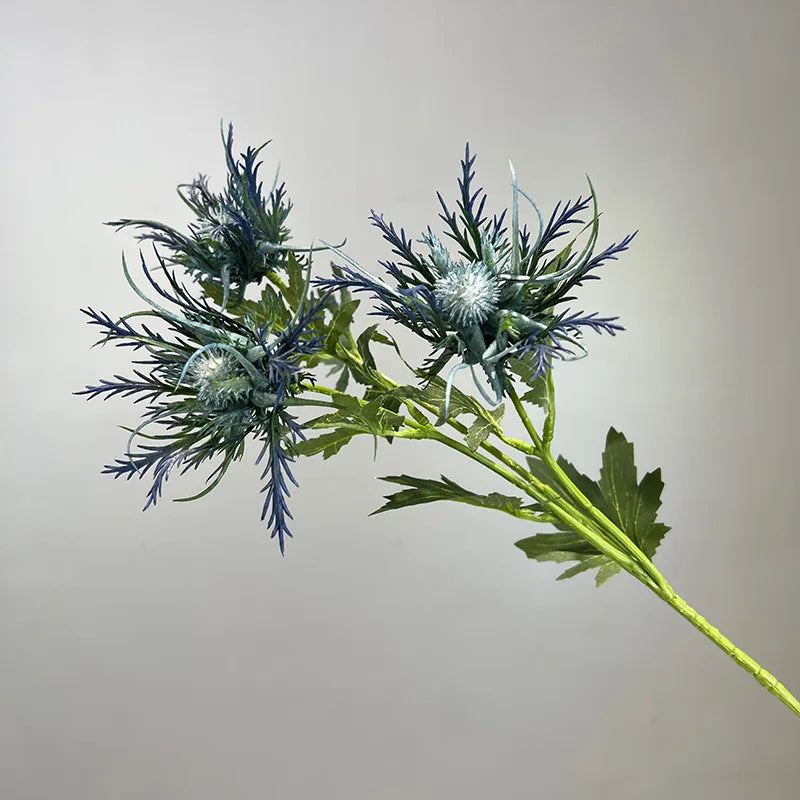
x: 208, y: 330
x: 356, y: 266
x: 492, y: 401
x: 538, y: 214
x: 514, y: 220
x: 226, y: 286
x: 136, y: 431
x: 449, y: 386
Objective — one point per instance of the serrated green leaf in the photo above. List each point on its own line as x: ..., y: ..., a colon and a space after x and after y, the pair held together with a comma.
x: 460, y: 403
x: 526, y: 370
x: 423, y: 490
x: 542, y: 545
x: 618, y: 481
x: 569, y: 546
x: 342, y: 380
x: 587, y: 563
x: 608, y: 570
x: 540, y: 470
x: 342, y: 319
x: 587, y: 486
x: 631, y: 505
x: 477, y: 434
x: 367, y: 372
x: 481, y: 429
x: 648, y: 532
x: 328, y: 443
x: 296, y: 287
x: 356, y: 417
x: 537, y: 394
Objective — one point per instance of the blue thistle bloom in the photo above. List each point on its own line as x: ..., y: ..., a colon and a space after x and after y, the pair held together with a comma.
x: 208, y: 382
x: 495, y: 302
x: 238, y: 237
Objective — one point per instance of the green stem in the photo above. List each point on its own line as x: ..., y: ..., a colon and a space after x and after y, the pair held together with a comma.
x: 765, y: 678
x: 657, y: 583
x: 527, y: 484
x: 620, y: 539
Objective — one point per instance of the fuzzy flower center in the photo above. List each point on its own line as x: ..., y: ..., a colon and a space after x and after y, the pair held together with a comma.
x: 468, y: 293
x: 214, y: 227
x: 218, y: 379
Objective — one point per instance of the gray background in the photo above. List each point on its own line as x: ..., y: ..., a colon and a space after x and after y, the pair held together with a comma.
x: 175, y: 654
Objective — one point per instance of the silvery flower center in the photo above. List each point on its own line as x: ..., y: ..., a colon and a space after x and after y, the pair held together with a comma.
x: 468, y: 293
x: 214, y: 227
x: 218, y: 379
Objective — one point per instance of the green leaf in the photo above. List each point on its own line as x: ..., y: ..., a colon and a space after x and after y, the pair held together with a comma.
x: 537, y: 394
x: 481, y: 429
x: 342, y: 319
x: 618, y: 478
x: 357, y: 417
x: 608, y: 570
x: 367, y: 372
x: 586, y: 485
x: 648, y: 532
x: 433, y: 393
x: 569, y: 546
x: 525, y: 369
x: 540, y: 470
x: 328, y: 443
x: 542, y: 546
x: 631, y: 505
x: 422, y: 490
x: 342, y: 380
x: 587, y: 563
x: 296, y: 286
x: 214, y: 292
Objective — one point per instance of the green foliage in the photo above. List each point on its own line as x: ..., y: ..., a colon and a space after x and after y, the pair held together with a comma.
x: 329, y: 444
x: 630, y: 504
x: 481, y: 429
x: 569, y: 546
x: 342, y: 319
x: 535, y: 381
x: 352, y: 417
x: 422, y: 490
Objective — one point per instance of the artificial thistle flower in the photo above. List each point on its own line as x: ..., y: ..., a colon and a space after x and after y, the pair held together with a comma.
x: 209, y: 381
x: 497, y: 301
x: 238, y: 236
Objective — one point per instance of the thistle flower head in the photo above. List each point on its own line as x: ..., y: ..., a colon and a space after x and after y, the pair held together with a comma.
x: 468, y: 293
x: 212, y: 380
x: 238, y: 236
x: 496, y: 301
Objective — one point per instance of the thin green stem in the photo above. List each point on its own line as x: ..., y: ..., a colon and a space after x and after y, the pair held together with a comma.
x: 655, y: 581
x: 765, y: 678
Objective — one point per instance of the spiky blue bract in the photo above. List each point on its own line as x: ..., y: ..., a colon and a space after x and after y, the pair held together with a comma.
x: 496, y: 300
x: 238, y: 236
x: 209, y: 381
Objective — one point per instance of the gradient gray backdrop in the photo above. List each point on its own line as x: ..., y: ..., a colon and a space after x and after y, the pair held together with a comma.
x: 175, y: 654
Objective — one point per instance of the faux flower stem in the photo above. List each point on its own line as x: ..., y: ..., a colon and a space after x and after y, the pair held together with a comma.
x: 765, y: 678
x: 606, y: 525
x: 657, y: 583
